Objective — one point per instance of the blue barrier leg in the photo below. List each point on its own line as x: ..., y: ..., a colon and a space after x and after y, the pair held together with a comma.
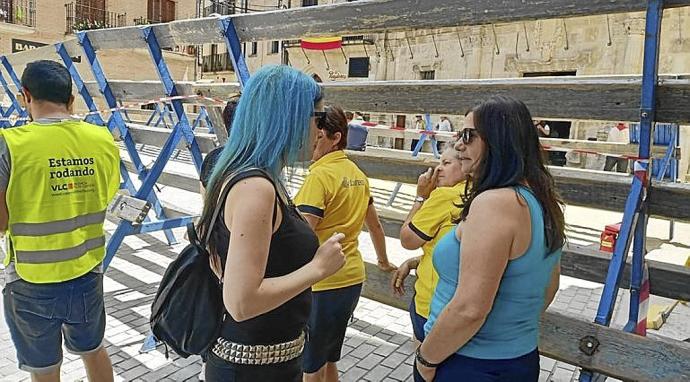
x: 635, y: 205
x: 15, y: 80
x: 117, y: 123
x: 182, y: 127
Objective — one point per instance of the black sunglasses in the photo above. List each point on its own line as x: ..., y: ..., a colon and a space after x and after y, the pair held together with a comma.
x: 466, y: 135
x: 320, y: 116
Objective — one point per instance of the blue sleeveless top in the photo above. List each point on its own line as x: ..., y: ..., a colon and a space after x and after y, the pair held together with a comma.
x: 512, y: 328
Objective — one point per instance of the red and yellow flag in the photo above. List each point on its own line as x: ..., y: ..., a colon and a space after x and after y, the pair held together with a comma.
x: 321, y: 43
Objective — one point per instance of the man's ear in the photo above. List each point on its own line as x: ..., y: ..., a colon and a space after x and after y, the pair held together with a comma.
x: 25, y: 97
x: 70, y: 102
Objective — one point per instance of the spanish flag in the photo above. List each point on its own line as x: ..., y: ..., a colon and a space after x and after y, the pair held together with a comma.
x: 321, y: 43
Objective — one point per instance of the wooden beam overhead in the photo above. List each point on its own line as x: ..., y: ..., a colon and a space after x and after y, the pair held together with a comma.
x: 337, y: 19
x: 610, y: 98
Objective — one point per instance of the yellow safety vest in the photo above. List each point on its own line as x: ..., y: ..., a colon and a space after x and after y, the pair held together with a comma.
x: 62, y: 177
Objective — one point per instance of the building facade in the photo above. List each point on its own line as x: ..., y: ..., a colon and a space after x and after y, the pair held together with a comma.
x: 594, y: 45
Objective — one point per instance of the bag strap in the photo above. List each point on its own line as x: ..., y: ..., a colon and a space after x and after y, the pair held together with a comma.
x: 223, y: 195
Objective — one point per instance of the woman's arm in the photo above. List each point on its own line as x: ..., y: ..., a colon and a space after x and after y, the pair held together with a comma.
x: 378, y: 238
x: 487, y: 240
x: 552, y: 288
x: 246, y: 293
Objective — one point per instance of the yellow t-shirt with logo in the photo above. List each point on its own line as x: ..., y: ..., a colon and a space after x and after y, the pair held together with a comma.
x: 431, y: 222
x: 337, y: 191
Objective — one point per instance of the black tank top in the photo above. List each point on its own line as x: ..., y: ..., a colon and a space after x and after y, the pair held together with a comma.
x: 293, y: 245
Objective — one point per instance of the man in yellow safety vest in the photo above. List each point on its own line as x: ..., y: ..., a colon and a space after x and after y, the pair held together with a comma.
x: 57, y: 176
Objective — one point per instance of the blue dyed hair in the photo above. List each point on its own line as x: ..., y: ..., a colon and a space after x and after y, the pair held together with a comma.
x: 270, y: 127
x: 513, y: 156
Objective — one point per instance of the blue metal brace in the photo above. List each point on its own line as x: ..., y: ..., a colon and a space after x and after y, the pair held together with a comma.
x: 203, y: 116
x: 16, y: 106
x: 635, y: 217
x: 182, y: 127
x: 94, y: 116
x: 117, y: 123
x: 235, y: 49
x: 227, y: 26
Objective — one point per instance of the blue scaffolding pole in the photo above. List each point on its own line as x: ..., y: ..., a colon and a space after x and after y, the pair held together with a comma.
x: 16, y: 106
x: 117, y: 123
x: 227, y: 27
x: 635, y: 216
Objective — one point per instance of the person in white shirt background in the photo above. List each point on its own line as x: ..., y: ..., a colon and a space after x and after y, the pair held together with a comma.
x: 618, y: 134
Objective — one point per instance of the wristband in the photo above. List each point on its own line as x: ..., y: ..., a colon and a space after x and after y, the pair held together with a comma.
x: 422, y: 361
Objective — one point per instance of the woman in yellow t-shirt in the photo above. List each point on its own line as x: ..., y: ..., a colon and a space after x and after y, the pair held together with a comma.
x: 335, y: 199
x: 437, y: 204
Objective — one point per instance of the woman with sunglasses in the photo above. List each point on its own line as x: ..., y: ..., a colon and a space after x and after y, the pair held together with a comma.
x: 335, y: 198
x: 436, y: 207
x: 269, y: 255
x: 499, y: 269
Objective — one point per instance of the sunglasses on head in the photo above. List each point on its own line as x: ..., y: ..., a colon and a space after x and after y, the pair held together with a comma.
x: 320, y: 116
x: 467, y: 135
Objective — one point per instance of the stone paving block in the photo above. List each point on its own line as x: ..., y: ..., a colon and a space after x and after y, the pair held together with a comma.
x: 370, y: 361
x: 401, y: 372
x: 561, y: 375
x: 362, y: 351
x: 135, y: 372
x: 385, y: 349
x: 346, y: 363
x: 354, y: 374
x: 377, y: 374
x: 394, y: 360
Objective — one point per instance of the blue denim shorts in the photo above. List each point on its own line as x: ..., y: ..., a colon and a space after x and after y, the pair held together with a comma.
x: 40, y: 315
x: 461, y: 368
x: 418, y: 322
x: 330, y: 312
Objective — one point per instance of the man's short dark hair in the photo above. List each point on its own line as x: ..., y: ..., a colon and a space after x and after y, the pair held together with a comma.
x: 48, y: 81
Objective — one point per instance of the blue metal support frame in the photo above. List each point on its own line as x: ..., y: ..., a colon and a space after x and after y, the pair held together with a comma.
x: 16, y: 106
x: 635, y: 217
x: 203, y: 116
x: 227, y: 26
x: 235, y: 48
x: 96, y: 117
x: 117, y: 123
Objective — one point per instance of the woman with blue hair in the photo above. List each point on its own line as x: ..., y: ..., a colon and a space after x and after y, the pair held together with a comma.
x: 268, y: 255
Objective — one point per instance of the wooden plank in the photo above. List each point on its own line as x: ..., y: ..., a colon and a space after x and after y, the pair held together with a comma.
x: 620, y: 355
x: 587, y: 263
x: 610, y: 98
x: 372, y: 16
x: 551, y: 144
x: 596, y: 189
x: 157, y: 136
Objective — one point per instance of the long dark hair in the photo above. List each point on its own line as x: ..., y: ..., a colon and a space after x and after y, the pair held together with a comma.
x: 513, y: 157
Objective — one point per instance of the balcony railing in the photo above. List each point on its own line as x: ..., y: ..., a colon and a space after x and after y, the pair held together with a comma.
x: 221, y: 8
x: 80, y: 16
x: 19, y: 12
x: 216, y: 63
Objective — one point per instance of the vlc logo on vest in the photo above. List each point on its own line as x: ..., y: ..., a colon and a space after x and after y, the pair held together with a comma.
x: 69, y: 186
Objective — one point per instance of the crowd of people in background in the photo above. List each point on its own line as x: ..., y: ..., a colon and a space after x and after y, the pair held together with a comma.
x: 487, y: 219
